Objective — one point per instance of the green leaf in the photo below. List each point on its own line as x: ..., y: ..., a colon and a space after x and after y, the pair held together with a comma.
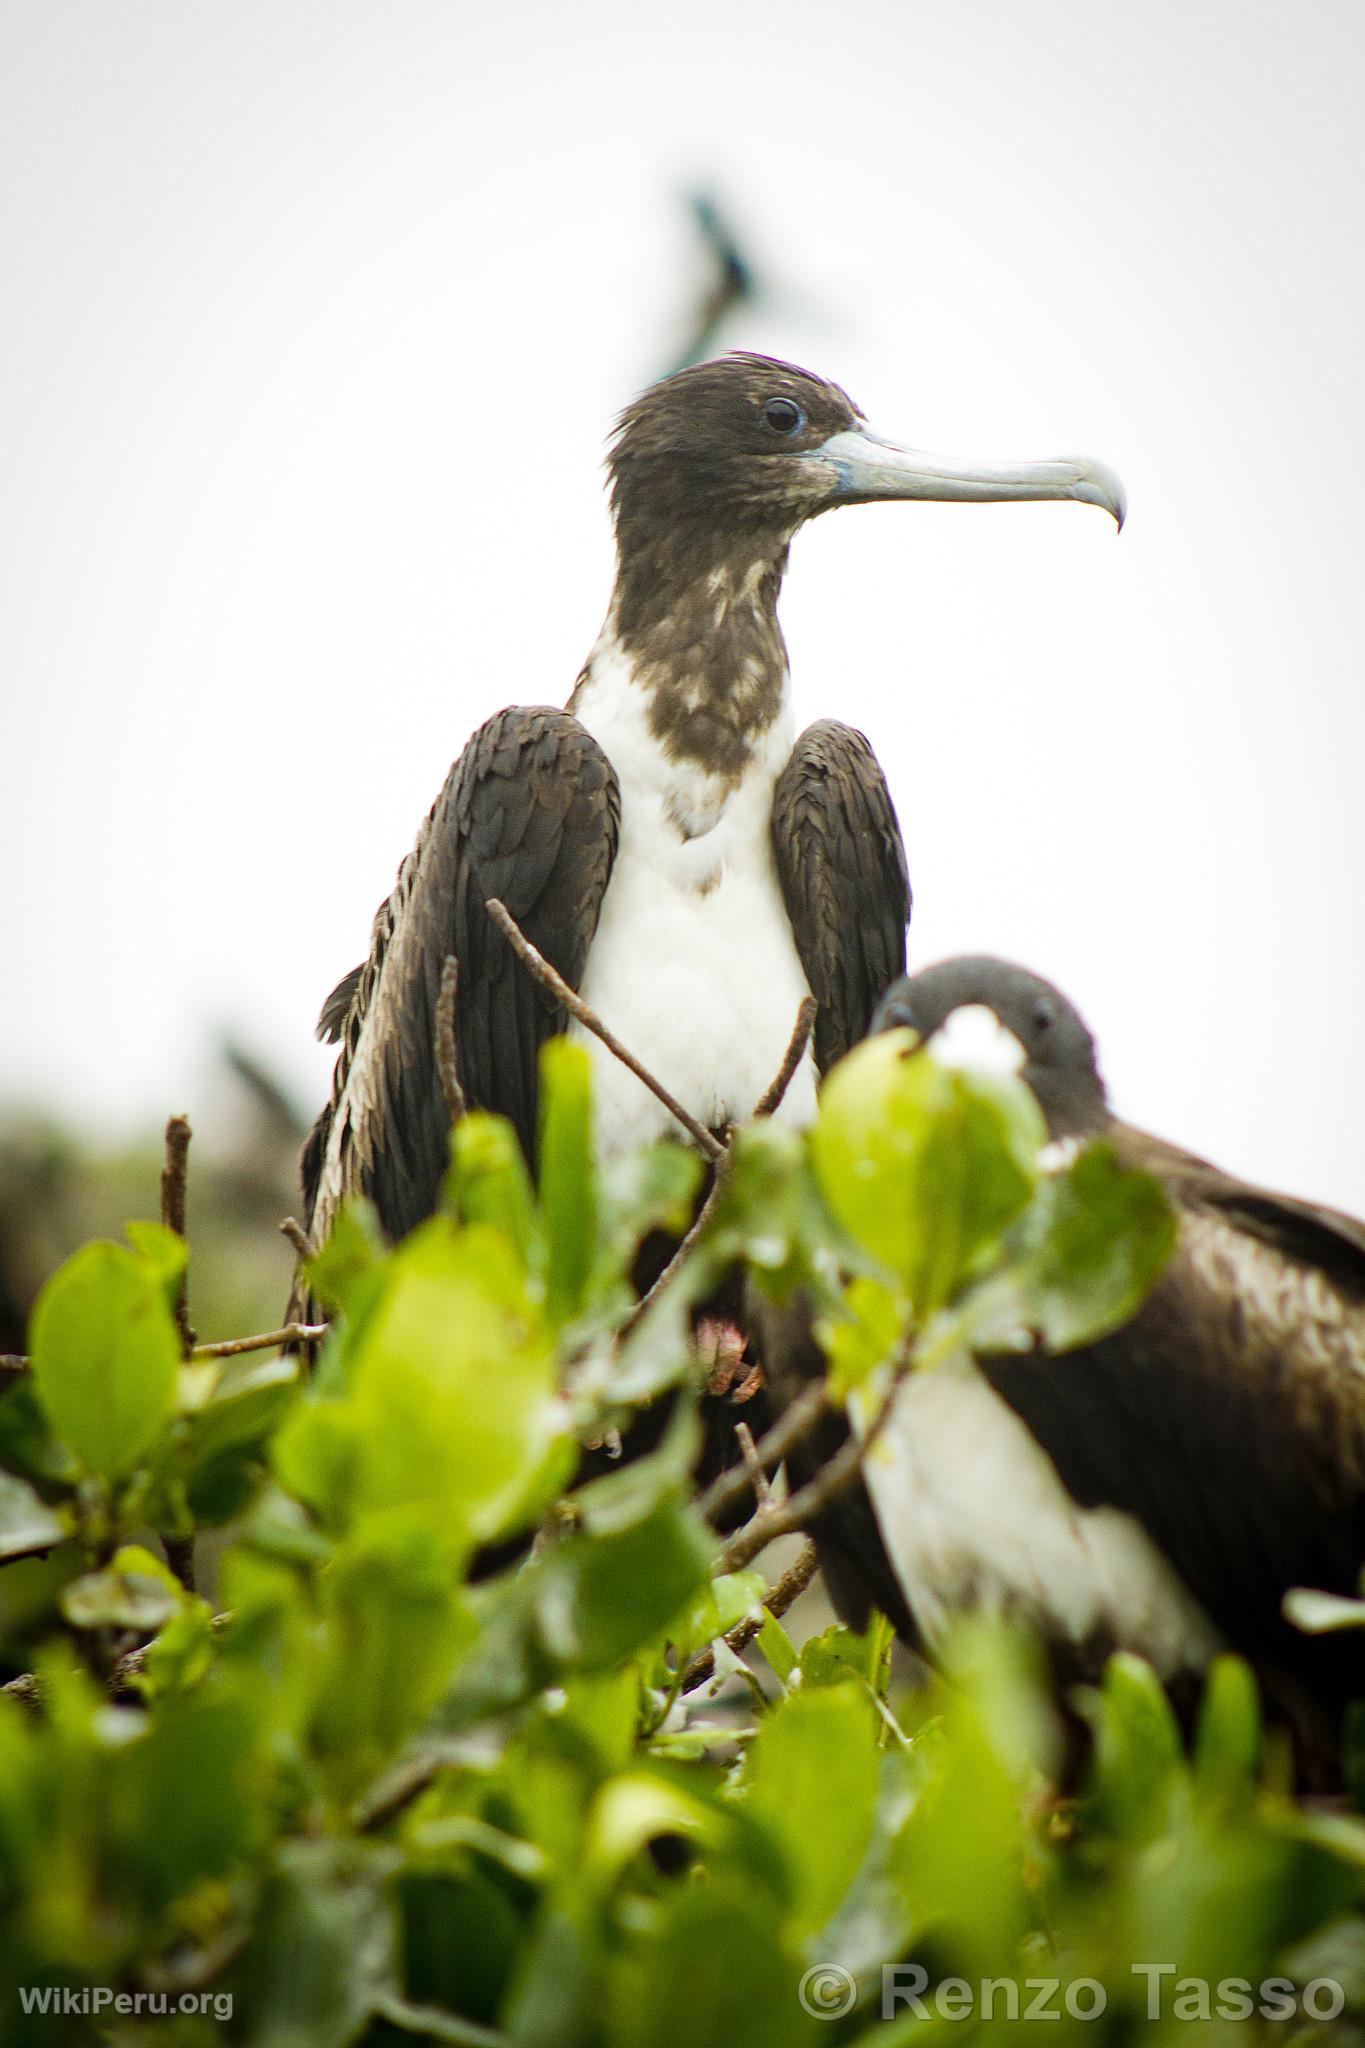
x: 27, y: 1524
x: 345, y: 1273
x: 397, y: 1624
x: 1099, y: 1238
x: 180, y: 1799
x: 322, y: 1954
x: 863, y: 1335
x: 489, y: 1184
x: 600, y: 1597
x: 1227, y: 1741
x: 924, y: 1165
x: 652, y: 1188
x: 165, y: 1251
x: 568, y: 1177
x: 812, y: 1777
x: 1137, y: 1747
x: 105, y: 1356
x: 452, y: 1400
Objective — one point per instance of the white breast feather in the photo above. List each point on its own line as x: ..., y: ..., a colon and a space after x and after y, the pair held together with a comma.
x: 694, y: 966
x: 974, y: 1517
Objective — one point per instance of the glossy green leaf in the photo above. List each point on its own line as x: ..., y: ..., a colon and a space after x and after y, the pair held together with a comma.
x: 812, y: 1780
x: 489, y: 1184
x: 1101, y: 1236
x: 568, y: 1177
x: 105, y: 1356
x: 924, y: 1165
x: 452, y: 1400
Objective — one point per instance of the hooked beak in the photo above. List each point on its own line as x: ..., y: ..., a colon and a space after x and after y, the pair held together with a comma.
x: 863, y: 469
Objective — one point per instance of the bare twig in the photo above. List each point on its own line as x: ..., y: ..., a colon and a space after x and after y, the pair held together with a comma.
x: 292, y: 1333
x: 446, y: 1058
x: 753, y: 1464
x: 684, y: 1246
x: 549, y: 977
x: 174, y: 1185
x: 298, y: 1237
x: 772, y: 1095
x: 28, y: 1689
x: 14, y: 1362
x: 174, y: 1176
x: 788, y: 1589
x: 832, y: 1479
x: 789, y: 1429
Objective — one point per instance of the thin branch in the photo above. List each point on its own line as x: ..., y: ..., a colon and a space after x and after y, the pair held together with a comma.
x: 684, y: 1246
x: 14, y: 1362
x: 536, y: 963
x: 753, y: 1464
x: 174, y: 1178
x: 789, y: 1429
x: 447, y: 1059
x: 772, y: 1095
x: 292, y: 1333
x: 174, y: 1197
x: 833, y: 1478
x: 788, y: 1589
x: 298, y: 1237
x: 28, y: 1689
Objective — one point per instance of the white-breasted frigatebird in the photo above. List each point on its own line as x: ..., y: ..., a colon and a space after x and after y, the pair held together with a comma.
x: 1161, y: 1489
x: 669, y: 842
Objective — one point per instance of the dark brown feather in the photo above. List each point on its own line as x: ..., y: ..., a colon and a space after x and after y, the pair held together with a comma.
x: 530, y: 813
x: 842, y: 868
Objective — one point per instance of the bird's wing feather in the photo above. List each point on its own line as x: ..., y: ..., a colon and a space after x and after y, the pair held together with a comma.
x: 530, y: 813
x: 1302, y: 1230
x: 842, y: 868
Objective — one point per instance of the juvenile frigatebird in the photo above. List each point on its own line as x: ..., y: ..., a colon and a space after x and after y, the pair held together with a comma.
x: 1159, y: 1490
x: 686, y: 860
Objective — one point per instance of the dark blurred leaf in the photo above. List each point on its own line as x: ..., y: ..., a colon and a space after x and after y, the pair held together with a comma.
x: 28, y: 1444
x: 323, y: 1950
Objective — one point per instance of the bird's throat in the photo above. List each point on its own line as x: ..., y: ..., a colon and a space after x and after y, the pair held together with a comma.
x: 707, y: 652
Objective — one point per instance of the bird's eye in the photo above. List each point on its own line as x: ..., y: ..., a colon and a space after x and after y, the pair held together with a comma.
x: 1042, y: 1018
x: 783, y: 416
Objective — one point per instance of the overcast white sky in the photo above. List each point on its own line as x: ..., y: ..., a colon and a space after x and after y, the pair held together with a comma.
x: 315, y: 320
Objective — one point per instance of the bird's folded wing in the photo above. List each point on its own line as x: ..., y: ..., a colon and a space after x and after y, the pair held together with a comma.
x: 529, y: 814
x: 842, y: 868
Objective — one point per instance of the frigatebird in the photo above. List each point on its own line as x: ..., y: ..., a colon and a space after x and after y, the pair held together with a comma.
x: 1161, y: 1489
x: 669, y: 842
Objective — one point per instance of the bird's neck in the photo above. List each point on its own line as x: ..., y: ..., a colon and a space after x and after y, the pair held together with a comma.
x: 698, y: 636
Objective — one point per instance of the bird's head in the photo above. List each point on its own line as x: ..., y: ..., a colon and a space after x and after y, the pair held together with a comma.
x: 979, y: 1011
x: 750, y: 447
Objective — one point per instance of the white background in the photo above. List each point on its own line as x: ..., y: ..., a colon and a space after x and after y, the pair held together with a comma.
x: 315, y: 318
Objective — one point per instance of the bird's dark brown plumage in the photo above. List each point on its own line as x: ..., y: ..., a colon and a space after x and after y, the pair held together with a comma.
x: 529, y: 814
x: 1227, y: 1417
